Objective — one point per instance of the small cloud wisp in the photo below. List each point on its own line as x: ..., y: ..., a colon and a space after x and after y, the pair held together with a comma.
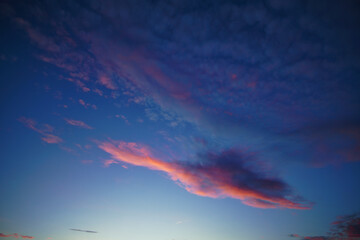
x: 80, y: 230
x: 45, y: 130
x: 77, y: 123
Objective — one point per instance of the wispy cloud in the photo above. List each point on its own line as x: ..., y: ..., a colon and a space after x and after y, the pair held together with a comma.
x: 15, y: 235
x: 27, y: 237
x: 81, y: 230
x: 50, y: 138
x: 319, y: 238
x: 107, y: 82
x: 6, y: 235
x: 108, y: 162
x: 45, y: 130
x: 87, y: 105
x: 78, y: 123
x: 217, y: 175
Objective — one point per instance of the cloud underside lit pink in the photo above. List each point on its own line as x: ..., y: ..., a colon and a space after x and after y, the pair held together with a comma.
x: 220, y: 178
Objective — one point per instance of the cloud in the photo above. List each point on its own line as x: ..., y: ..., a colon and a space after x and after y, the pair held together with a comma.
x: 316, y: 238
x: 77, y: 123
x: 108, y: 162
x: 50, y: 138
x: 45, y: 130
x: 227, y: 80
x: 107, y: 82
x: 15, y: 235
x: 86, y: 105
x: 27, y: 237
x: 334, y: 142
x: 345, y: 228
x: 4, y: 235
x: 41, y: 40
x: 79, y: 83
x: 80, y: 230
x: 123, y: 117
x: 217, y: 175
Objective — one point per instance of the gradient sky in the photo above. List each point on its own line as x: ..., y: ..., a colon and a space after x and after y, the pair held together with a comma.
x: 180, y: 120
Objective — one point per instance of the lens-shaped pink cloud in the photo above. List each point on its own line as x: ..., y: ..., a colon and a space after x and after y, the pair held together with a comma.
x: 77, y: 123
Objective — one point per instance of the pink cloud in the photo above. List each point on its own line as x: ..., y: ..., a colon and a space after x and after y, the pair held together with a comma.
x: 86, y: 105
x: 4, y: 235
x: 45, y: 130
x: 15, y: 235
x: 77, y: 123
x: 123, y: 117
x: 214, y: 180
x: 82, y: 102
x: 98, y: 91
x: 108, y: 162
x: 107, y: 82
x: 79, y: 83
x: 50, y: 138
x: 27, y: 237
x: 294, y: 235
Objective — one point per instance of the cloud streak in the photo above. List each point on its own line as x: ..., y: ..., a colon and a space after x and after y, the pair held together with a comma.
x: 15, y: 235
x: 81, y: 230
x: 218, y: 175
x: 46, y: 131
x: 77, y: 123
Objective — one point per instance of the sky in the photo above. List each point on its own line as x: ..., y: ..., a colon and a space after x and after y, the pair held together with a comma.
x: 180, y: 120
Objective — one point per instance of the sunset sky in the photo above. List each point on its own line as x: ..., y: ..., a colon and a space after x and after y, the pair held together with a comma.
x: 180, y: 120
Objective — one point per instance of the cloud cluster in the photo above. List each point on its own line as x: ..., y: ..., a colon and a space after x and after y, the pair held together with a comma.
x: 216, y: 175
x: 251, y: 71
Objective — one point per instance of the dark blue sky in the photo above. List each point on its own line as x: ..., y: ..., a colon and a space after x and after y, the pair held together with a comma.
x: 180, y: 119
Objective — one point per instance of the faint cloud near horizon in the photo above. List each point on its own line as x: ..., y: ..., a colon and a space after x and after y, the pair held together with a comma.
x: 81, y: 230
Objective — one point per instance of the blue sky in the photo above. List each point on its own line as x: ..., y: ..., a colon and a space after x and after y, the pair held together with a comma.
x: 180, y: 120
